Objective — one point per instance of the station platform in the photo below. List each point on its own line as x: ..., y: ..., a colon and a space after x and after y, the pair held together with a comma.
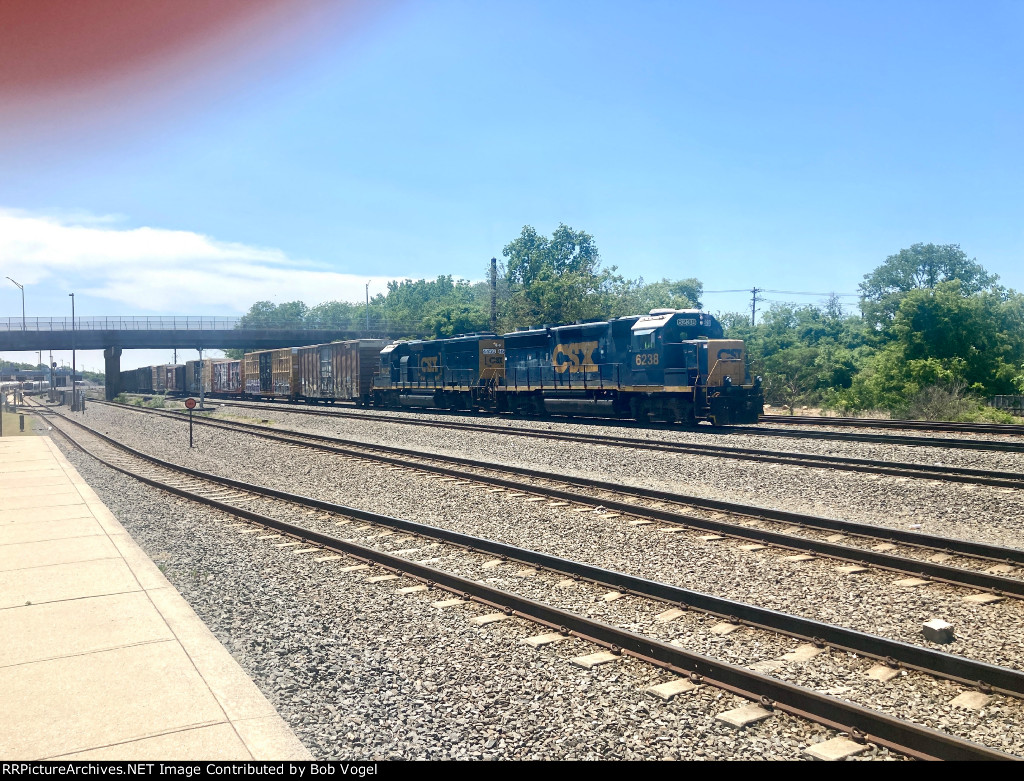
x: 100, y: 657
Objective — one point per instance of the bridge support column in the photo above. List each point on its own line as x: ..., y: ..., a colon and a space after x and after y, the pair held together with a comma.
x: 112, y: 368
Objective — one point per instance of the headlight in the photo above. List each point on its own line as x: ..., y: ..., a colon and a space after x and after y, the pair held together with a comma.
x: 757, y: 381
x: 727, y: 381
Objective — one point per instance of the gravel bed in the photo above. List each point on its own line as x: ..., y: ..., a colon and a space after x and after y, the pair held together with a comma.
x: 914, y: 696
x: 810, y: 588
x: 360, y: 672
x: 706, y: 435
x: 958, y: 510
x: 991, y: 633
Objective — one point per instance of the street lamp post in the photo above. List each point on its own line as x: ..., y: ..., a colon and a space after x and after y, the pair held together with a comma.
x: 22, y: 289
x: 72, y: 350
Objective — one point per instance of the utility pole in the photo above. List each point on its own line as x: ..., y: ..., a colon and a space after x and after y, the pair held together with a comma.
x: 72, y: 351
x: 175, y: 358
x: 494, y: 294
x: 753, y: 303
x: 367, y: 306
x: 202, y: 385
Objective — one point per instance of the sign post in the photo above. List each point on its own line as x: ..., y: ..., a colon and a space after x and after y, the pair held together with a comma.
x: 190, y: 403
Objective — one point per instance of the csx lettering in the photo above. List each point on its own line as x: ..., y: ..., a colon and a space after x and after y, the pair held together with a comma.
x: 647, y: 359
x: 574, y: 357
x: 428, y: 364
x: 733, y: 354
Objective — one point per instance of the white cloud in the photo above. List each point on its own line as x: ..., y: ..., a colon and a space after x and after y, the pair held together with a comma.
x: 157, y: 270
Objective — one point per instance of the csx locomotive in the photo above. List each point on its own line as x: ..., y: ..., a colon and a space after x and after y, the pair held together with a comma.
x: 671, y: 365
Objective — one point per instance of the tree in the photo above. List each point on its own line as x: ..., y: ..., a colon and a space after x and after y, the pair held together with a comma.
x: 802, y: 353
x: 923, y: 266
x: 337, y: 314
x: 266, y: 314
x: 556, y: 280
x: 431, y: 308
x: 940, y: 337
x: 635, y: 297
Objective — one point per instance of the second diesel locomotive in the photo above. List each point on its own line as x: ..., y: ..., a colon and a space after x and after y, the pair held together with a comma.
x: 671, y: 365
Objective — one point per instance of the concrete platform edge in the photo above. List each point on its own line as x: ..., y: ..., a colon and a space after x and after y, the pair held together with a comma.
x: 251, y: 716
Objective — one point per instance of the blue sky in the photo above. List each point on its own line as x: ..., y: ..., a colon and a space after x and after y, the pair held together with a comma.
x: 791, y: 146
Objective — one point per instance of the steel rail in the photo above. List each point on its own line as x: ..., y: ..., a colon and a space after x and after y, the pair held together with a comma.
x: 838, y: 436
x: 861, y: 723
x: 958, y: 668
x: 925, y: 425
x: 844, y: 463
x: 947, y: 443
x: 953, y: 575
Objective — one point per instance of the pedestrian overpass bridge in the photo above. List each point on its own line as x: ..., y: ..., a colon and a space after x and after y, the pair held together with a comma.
x: 116, y: 334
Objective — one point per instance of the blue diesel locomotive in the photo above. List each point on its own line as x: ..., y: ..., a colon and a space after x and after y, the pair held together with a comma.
x: 671, y: 365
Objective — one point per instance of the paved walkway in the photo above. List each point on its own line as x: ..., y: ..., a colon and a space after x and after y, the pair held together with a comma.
x: 100, y: 657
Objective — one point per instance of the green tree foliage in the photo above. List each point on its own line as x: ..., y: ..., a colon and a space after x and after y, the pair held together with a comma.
x: 802, y: 353
x: 942, y: 337
x: 560, y: 280
x: 635, y: 297
x: 923, y: 266
x: 266, y: 314
x: 431, y: 308
x: 556, y: 280
x: 337, y: 314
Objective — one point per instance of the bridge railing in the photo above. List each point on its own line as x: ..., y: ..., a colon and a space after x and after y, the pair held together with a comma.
x: 119, y: 324
x: 156, y: 323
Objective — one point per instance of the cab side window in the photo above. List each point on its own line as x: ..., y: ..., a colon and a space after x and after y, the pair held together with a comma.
x: 643, y: 340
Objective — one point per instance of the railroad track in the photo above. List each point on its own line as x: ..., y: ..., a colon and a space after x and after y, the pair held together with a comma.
x: 251, y: 503
x: 989, y: 477
x: 1010, y: 429
x: 1004, y: 446
x: 921, y: 558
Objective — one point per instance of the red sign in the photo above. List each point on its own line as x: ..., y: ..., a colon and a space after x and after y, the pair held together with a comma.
x: 190, y: 403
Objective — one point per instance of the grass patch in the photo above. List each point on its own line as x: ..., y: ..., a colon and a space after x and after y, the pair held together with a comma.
x: 11, y: 423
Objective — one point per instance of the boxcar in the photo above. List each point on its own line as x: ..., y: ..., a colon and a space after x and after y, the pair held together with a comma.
x: 227, y: 378
x: 174, y: 381
x: 271, y: 374
x: 159, y: 378
x: 198, y: 377
x: 339, y: 371
x: 137, y: 380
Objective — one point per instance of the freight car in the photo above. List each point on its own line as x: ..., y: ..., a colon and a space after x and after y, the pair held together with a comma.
x: 137, y: 380
x: 174, y: 378
x: 227, y: 378
x: 210, y: 376
x: 339, y: 371
x: 158, y: 380
x: 271, y: 374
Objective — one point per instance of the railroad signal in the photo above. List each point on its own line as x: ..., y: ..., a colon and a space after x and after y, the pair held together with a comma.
x: 190, y: 404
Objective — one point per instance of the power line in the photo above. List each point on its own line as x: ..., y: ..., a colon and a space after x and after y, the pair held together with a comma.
x: 785, y: 292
